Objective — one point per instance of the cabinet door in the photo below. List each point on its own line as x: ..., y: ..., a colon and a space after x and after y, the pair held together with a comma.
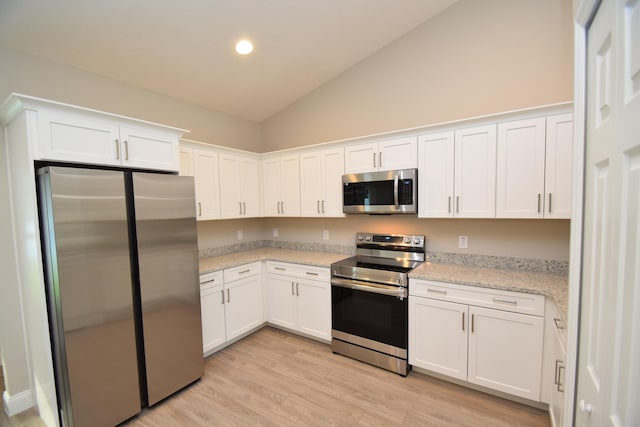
x: 282, y: 301
x: 361, y: 158
x: 244, y: 307
x: 435, y: 159
x: 68, y: 137
x: 290, y: 186
x: 250, y: 187
x: 559, y: 166
x: 207, y: 184
x: 230, y: 185
x: 557, y: 392
x: 520, y: 176
x: 149, y: 150
x: 505, y: 351
x: 475, y: 172
x: 399, y: 153
x: 332, y: 171
x: 314, y: 308
x: 438, y: 336
x: 271, y: 186
x: 311, y: 182
x: 213, y: 322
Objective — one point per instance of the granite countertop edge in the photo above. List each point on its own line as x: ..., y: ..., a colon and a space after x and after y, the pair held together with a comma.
x: 550, y: 285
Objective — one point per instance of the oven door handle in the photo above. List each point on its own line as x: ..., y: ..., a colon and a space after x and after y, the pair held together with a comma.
x: 375, y: 288
x: 395, y: 191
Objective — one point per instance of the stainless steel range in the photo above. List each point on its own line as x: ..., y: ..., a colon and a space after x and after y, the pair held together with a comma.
x: 369, y: 305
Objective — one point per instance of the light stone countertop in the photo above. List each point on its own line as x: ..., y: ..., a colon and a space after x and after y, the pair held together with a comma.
x: 318, y: 259
x: 548, y: 284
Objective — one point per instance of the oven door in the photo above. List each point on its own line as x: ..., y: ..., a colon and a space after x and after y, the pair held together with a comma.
x: 370, y: 315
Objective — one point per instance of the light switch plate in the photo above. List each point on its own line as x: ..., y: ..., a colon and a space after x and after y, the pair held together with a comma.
x: 463, y: 242
x: 325, y: 234
x: 275, y: 232
x: 240, y: 235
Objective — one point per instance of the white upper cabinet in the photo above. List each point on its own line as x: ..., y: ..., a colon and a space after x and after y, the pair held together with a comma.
x: 435, y: 176
x: 86, y: 136
x: 281, y: 186
x: 520, y: 175
x: 202, y: 164
x: 239, y: 186
x: 398, y: 153
x: 534, y: 168
x: 321, y: 183
x: 475, y: 172
x: 558, y: 169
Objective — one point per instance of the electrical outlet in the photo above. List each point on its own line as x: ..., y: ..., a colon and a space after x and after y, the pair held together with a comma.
x: 325, y: 234
x: 275, y: 232
x: 240, y: 235
x: 463, y: 242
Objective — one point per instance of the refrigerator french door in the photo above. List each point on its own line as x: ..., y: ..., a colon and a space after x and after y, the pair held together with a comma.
x: 121, y: 267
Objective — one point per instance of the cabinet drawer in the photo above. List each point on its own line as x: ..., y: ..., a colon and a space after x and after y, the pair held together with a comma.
x: 208, y: 280
x: 241, y: 271
x: 298, y: 270
x: 517, y: 302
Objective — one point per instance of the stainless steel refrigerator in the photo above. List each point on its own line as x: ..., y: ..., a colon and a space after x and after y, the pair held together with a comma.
x: 121, y: 268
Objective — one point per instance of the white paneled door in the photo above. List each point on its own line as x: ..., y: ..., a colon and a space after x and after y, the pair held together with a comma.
x: 608, y: 389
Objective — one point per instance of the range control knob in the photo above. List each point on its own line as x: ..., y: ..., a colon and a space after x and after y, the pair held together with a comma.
x: 360, y: 237
x: 407, y: 239
x: 416, y: 240
x: 368, y: 238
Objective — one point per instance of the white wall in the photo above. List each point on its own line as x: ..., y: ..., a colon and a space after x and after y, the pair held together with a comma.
x: 475, y: 58
x: 45, y: 79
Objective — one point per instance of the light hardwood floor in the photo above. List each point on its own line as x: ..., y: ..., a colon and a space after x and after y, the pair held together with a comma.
x: 279, y: 379
x: 274, y: 378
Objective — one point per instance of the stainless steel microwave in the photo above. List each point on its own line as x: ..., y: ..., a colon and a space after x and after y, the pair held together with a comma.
x: 385, y: 192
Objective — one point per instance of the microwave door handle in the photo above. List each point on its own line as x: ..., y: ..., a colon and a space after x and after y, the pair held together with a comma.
x: 395, y: 191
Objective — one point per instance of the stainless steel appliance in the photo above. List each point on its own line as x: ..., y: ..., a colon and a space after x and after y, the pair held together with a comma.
x: 121, y: 267
x: 386, y: 192
x: 369, y: 299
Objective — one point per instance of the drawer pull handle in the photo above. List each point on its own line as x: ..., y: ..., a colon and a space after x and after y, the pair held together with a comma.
x: 473, y: 323
x: 207, y: 281
x: 310, y: 273
x: 538, y: 202
x: 228, y: 295
x: 293, y: 292
x: 244, y: 271
x: 222, y: 295
x: 463, y: 320
x: 297, y: 289
x: 280, y: 268
x: 436, y: 291
x: 505, y: 301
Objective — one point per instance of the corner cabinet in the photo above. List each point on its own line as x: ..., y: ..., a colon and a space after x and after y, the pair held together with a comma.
x: 321, y: 183
x: 299, y: 298
x: 73, y: 134
x: 239, y: 185
x: 484, y: 336
x: 397, y: 153
x: 281, y: 185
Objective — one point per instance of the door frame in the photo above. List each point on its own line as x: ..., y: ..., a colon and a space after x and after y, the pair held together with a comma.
x: 583, y: 13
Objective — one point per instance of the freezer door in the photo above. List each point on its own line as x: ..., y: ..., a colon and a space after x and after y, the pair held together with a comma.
x: 88, y: 282
x: 169, y: 282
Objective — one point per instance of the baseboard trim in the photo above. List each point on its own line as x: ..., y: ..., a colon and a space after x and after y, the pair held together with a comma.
x: 17, y: 403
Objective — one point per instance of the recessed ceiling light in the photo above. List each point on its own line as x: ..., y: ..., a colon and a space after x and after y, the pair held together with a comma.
x: 244, y: 47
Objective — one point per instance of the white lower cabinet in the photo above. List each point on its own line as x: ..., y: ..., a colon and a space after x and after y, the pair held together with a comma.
x: 299, y: 298
x: 483, y: 336
x: 231, y: 303
x: 557, y: 391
